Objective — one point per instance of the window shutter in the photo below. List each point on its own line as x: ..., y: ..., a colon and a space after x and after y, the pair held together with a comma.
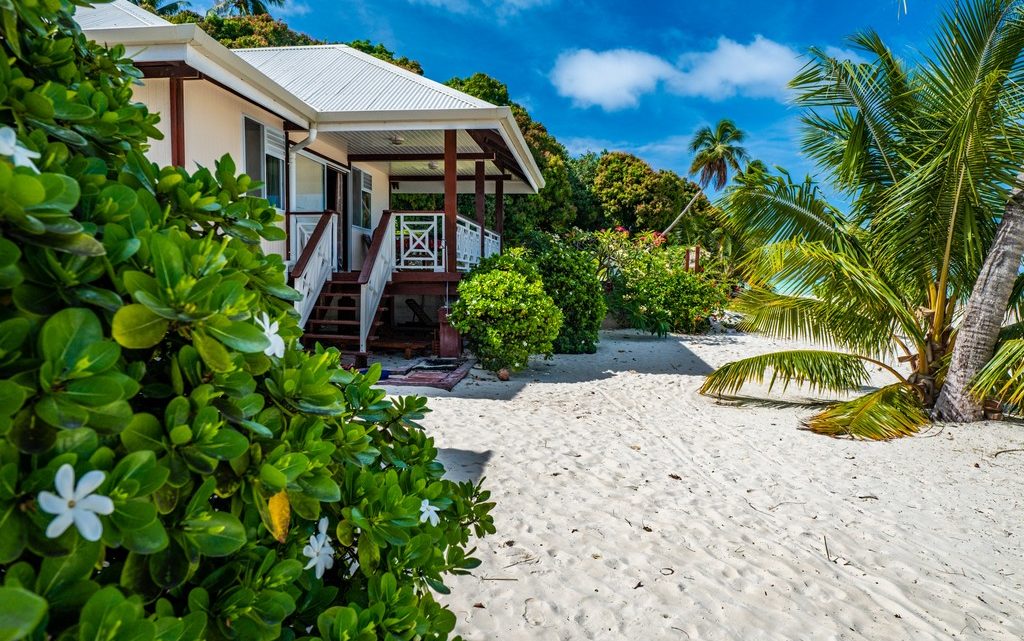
x: 367, y: 181
x: 274, y: 142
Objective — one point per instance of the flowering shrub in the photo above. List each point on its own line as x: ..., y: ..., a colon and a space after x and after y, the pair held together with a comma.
x: 570, y: 278
x: 650, y: 288
x: 504, y: 313
x: 172, y: 465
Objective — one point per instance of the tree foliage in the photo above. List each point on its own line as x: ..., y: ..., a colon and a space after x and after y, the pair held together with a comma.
x: 250, y: 30
x: 635, y: 196
x: 173, y: 464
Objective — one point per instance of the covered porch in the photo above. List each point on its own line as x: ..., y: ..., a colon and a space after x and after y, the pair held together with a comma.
x: 351, y: 300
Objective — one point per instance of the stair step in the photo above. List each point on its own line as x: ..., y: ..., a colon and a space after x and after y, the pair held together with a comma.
x: 317, y: 321
x: 337, y: 338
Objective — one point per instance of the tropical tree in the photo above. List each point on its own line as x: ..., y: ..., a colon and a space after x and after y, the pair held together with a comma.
x: 716, y: 152
x: 246, y: 7
x: 163, y: 8
x: 927, y: 156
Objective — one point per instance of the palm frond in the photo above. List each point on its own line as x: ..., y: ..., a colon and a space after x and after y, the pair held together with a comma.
x: 1003, y: 376
x: 770, y: 208
x: 892, y: 412
x: 838, y: 323
x: 818, y: 370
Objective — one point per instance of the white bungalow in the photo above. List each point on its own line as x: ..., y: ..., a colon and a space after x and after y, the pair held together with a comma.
x: 333, y: 133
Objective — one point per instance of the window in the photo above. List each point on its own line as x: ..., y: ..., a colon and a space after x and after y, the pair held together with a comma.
x: 366, y: 219
x: 310, y: 184
x: 364, y: 216
x: 264, y: 160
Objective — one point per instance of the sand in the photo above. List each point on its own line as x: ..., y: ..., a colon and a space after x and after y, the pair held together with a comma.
x: 630, y: 507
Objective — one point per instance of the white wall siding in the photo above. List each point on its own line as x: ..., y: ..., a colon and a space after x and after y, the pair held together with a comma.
x: 155, y: 94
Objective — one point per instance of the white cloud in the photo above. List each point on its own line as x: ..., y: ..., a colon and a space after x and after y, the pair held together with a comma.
x: 292, y: 9
x: 609, y: 79
x: 618, y: 78
x: 760, y: 69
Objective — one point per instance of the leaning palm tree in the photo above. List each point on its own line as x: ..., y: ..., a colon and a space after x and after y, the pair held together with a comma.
x: 716, y: 152
x: 927, y: 156
x: 246, y: 7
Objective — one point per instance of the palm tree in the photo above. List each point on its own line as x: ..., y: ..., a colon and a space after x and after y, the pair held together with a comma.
x: 165, y: 8
x: 716, y: 152
x: 927, y: 156
x: 246, y: 7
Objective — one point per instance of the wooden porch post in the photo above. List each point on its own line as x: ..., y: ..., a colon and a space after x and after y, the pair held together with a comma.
x: 177, y: 99
x: 451, y: 198
x: 499, y: 210
x: 481, y: 202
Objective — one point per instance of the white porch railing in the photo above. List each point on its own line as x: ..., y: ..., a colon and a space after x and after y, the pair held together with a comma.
x: 420, y: 241
x: 467, y: 243
x: 492, y: 243
x: 375, y: 278
x: 317, y: 237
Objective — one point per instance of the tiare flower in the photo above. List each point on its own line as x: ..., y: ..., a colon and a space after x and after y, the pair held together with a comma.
x: 319, y: 551
x: 429, y: 513
x: 76, y: 504
x: 20, y: 156
x: 270, y: 330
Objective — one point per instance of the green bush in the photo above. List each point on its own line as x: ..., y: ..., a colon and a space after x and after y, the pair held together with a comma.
x: 504, y: 312
x: 172, y: 464
x: 570, y: 278
x: 651, y: 289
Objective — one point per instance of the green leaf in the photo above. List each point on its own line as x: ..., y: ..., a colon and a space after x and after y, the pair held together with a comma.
x: 243, y: 337
x: 143, y: 433
x: 133, y: 514
x: 22, y: 611
x: 136, y: 327
x: 67, y: 334
x: 226, y: 444
x: 215, y: 533
x: 168, y: 264
x: 212, y: 352
x: 149, y: 539
x: 59, y: 192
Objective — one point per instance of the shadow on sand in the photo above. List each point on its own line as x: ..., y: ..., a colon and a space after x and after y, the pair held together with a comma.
x: 619, y: 351
x: 463, y: 465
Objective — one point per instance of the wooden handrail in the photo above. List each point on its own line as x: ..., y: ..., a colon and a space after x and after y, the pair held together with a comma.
x: 310, y: 248
x: 371, y: 254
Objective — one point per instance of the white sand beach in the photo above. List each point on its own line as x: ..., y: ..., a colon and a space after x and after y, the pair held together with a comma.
x: 630, y: 507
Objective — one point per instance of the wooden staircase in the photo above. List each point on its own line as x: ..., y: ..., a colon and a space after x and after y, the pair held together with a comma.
x: 335, y: 318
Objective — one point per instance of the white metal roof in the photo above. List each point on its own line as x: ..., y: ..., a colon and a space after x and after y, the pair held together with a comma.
x: 116, y: 15
x: 338, y: 78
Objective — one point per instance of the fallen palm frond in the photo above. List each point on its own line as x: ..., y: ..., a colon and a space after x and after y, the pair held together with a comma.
x: 819, y: 370
x: 891, y: 412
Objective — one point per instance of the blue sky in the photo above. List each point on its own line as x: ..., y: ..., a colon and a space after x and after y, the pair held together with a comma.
x: 638, y: 76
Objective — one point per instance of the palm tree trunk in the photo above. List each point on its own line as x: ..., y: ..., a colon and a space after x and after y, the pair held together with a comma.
x: 983, y: 316
x: 683, y: 213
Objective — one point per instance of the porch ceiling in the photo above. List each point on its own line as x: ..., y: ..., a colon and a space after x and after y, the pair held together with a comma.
x: 424, y: 176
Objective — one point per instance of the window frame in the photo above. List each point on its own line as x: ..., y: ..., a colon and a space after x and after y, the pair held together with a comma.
x: 265, y: 155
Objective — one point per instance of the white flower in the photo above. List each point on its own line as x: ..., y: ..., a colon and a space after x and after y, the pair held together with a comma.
x: 319, y: 551
x: 270, y: 329
x: 76, y: 503
x: 9, y: 146
x: 428, y: 513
